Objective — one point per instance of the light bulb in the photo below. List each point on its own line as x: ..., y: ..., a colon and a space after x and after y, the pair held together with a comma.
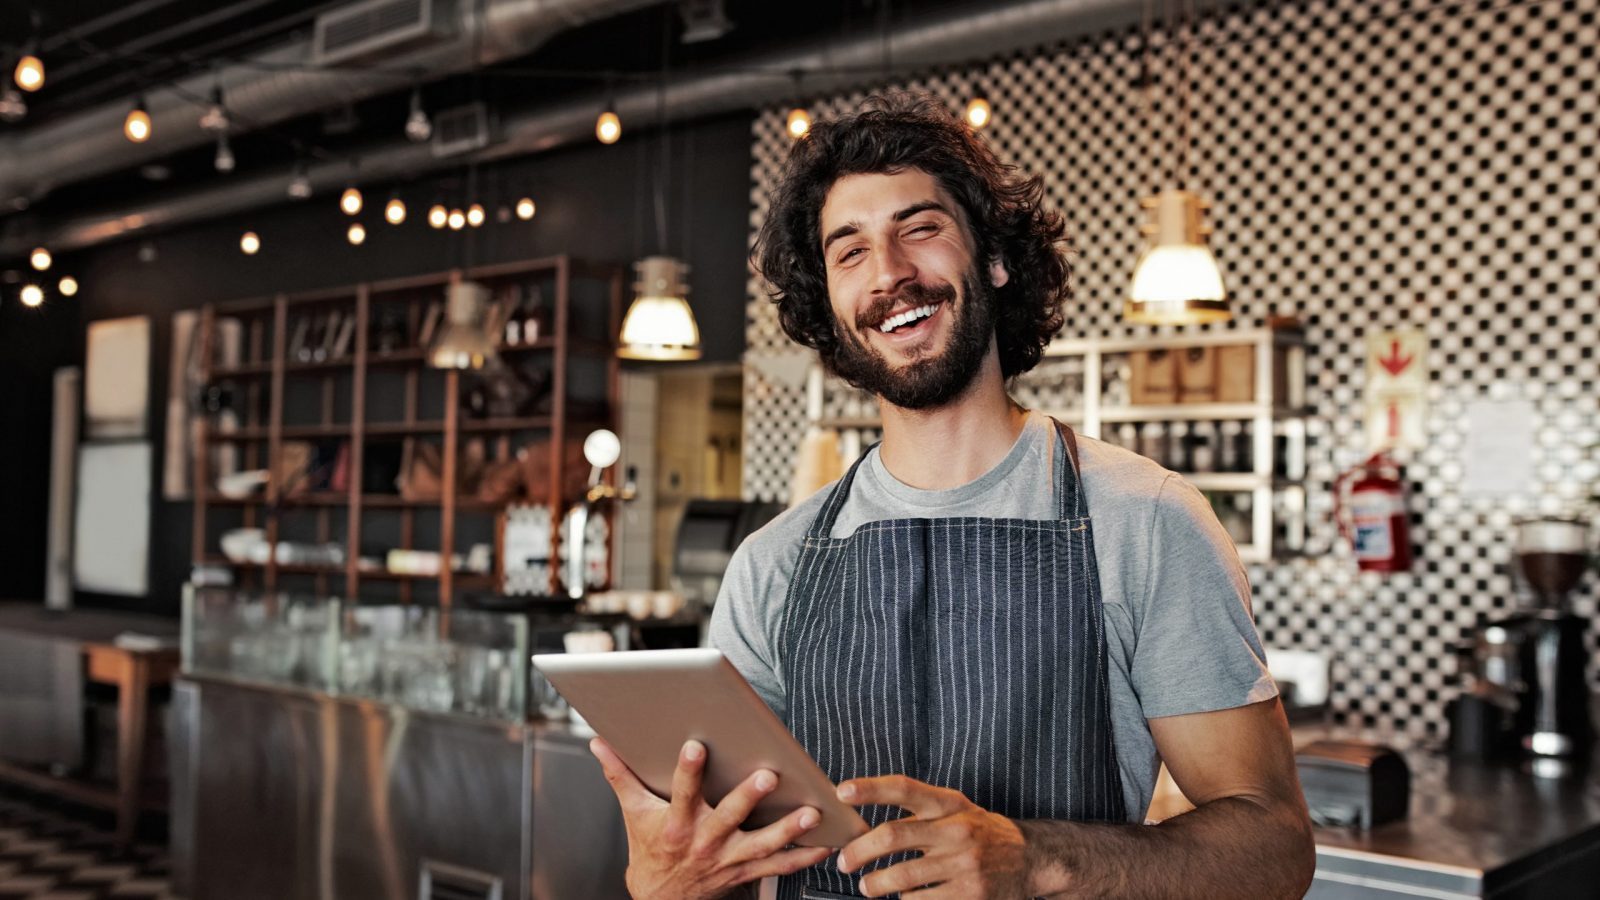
x: 68, y: 286
x: 438, y: 216
x: 457, y: 220
x: 799, y: 123
x: 40, y: 258
x: 475, y: 215
x: 608, y: 127
x: 357, y: 233
x: 300, y: 185
x: 418, y: 126
x: 32, y: 295
x: 30, y: 72
x: 350, y: 201
x: 224, y: 161
x: 215, y: 119
x: 250, y: 243
x: 394, y: 212
x: 978, y: 113
x: 525, y: 208
x: 136, y: 127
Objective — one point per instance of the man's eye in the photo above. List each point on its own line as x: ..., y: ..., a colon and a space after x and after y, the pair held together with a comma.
x: 849, y: 254
x: 924, y: 229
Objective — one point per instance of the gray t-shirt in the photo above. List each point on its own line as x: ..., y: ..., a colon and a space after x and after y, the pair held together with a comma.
x: 1179, y: 632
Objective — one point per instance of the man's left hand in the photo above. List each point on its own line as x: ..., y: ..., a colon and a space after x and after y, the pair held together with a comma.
x: 967, y: 851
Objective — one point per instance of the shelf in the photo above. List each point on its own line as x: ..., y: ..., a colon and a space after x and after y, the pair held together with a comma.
x: 386, y: 429
x: 1236, y: 481
x: 404, y: 357
x: 462, y: 579
x: 370, y: 501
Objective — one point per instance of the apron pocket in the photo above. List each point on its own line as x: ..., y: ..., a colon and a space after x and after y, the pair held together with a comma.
x: 814, y: 894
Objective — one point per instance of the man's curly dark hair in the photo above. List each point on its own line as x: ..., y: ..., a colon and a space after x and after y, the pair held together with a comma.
x: 1003, y: 207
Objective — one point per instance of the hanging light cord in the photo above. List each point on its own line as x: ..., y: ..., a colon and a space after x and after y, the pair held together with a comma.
x: 666, y: 137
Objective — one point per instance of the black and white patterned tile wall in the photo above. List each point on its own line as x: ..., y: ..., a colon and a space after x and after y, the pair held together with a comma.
x: 1371, y: 166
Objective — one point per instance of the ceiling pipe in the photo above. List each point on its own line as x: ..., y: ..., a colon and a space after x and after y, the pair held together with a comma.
x: 274, y: 86
x: 920, y: 44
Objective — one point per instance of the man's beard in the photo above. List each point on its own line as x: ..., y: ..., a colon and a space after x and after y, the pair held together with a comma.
x: 927, y: 381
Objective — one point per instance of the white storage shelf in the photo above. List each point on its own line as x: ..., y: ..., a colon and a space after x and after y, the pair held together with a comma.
x: 1276, y: 487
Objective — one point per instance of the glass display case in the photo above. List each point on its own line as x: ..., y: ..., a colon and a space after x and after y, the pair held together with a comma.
x: 466, y: 662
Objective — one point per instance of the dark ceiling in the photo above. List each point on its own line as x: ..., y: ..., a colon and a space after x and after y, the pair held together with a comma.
x: 97, y: 53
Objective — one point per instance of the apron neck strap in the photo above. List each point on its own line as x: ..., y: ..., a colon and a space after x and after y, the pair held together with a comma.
x: 822, y: 525
x: 1070, y: 500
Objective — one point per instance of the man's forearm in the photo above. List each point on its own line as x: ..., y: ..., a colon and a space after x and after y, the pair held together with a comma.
x: 1231, y: 847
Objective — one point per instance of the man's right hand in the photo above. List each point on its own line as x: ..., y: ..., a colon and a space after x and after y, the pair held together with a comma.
x: 685, y: 849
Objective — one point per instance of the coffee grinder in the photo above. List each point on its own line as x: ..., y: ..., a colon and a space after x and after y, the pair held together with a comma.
x: 1552, y: 716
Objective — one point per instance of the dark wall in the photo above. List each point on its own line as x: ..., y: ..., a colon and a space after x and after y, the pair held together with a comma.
x: 594, y: 202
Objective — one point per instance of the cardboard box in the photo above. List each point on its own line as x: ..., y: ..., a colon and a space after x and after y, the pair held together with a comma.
x: 1197, y: 375
x: 1153, y: 377
x: 1236, y: 374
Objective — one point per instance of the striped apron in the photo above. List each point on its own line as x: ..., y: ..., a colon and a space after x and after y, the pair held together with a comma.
x: 962, y: 652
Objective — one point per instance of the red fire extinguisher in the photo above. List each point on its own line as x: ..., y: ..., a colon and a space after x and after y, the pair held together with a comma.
x: 1373, y: 516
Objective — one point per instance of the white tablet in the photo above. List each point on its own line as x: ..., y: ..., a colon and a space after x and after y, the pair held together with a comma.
x: 647, y: 703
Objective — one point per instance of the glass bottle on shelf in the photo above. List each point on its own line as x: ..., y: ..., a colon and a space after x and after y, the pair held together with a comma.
x: 535, y: 324
x: 513, y: 329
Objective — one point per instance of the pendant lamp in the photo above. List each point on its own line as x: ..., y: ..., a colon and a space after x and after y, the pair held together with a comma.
x: 1176, y: 280
x: 463, y: 343
x: 660, y: 325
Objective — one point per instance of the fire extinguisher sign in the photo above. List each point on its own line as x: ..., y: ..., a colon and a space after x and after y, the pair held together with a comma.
x: 1396, y: 392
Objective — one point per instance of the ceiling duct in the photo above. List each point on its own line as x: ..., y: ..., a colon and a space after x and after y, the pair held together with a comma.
x: 361, y: 31
x: 934, y: 40
x: 460, y: 129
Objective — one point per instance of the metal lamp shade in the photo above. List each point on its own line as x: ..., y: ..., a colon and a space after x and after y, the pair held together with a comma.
x: 1176, y: 281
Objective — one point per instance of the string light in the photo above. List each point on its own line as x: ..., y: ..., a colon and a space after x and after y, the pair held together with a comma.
x: 418, y: 126
x: 224, y: 161
x: 40, y: 259
x: 799, y: 124
x: 30, y: 71
x: 525, y: 208
x: 438, y: 216
x: 457, y: 220
x: 394, y: 212
x: 68, y: 286
x: 350, y: 200
x: 12, y: 106
x: 475, y: 215
x: 32, y: 295
x: 978, y: 113
x: 136, y: 127
x: 608, y: 128
x: 216, y: 119
x: 250, y: 243
x: 357, y: 233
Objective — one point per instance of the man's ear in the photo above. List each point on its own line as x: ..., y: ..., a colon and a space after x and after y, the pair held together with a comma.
x: 998, y: 276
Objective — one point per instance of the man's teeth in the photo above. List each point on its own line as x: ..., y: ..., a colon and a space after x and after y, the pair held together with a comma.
x: 910, y: 315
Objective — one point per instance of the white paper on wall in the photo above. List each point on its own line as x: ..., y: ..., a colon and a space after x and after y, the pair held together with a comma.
x: 116, y: 393
x: 1497, y: 458
x: 111, y: 533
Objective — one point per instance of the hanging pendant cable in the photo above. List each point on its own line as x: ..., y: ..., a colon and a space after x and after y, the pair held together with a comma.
x: 666, y: 137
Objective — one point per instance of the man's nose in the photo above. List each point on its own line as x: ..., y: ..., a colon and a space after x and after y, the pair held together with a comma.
x: 894, y: 269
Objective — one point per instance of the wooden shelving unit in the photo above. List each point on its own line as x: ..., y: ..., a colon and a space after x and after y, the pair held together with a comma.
x: 262, y: 376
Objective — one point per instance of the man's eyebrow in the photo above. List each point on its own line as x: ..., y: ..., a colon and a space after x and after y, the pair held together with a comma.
x: 904, y: 214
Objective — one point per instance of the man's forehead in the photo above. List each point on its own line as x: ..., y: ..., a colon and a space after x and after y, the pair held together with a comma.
x: 868, y: 196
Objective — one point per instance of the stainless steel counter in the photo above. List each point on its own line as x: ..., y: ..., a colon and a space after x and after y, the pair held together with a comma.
x: 1474, y: 830
x: 285, y: 793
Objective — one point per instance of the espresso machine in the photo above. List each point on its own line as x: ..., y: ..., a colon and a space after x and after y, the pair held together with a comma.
x: 1533, y: 662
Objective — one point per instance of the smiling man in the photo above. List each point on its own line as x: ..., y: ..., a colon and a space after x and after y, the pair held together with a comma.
x: 991, y: 631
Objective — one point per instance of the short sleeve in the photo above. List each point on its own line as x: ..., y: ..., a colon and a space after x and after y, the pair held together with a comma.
x: 743, y: 621
x: 1197, y: 648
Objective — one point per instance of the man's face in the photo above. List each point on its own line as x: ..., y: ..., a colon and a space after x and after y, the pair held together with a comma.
x: 913, y: 308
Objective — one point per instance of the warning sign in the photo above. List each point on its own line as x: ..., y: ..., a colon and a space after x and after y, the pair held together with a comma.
x: 1397, y: 384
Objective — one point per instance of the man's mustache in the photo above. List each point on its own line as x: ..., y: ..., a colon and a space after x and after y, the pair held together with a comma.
x: 916, y: 292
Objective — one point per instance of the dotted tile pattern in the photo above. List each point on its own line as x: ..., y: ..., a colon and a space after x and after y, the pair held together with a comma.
x: 1370, y: 165
x: 46, y: 854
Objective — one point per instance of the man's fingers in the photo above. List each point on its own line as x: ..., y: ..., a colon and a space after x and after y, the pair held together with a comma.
x: 686, y: 779
x: 786, y: 862
x: 904, y: 877
x: 922, y: 800
x: 734, y: 808
x: 770, y: 839
x: 890, y: 837
x: 631, y: 792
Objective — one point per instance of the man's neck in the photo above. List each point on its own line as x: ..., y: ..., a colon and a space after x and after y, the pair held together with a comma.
x: 938, y: 449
